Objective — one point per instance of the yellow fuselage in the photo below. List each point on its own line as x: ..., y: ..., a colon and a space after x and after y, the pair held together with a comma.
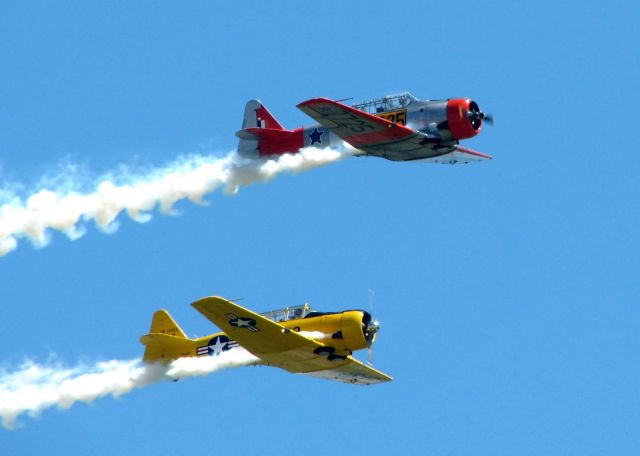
x: 341, y: 330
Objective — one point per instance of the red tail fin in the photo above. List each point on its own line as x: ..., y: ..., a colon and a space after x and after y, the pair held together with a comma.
x: 256, y: 115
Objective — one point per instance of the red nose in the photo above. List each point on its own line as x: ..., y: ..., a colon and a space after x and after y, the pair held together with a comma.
x: 460, y: 125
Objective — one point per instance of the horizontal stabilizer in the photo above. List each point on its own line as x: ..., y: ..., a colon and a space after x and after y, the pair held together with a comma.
x: 263, y: 133
x: 161, y: 347
x: 166, y: 341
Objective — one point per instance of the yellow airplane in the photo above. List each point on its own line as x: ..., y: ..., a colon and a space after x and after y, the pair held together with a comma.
x: 296, y: 339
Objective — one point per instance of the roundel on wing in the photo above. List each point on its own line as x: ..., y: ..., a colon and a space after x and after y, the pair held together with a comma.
x: 242, y: 322
x: 218, y: 344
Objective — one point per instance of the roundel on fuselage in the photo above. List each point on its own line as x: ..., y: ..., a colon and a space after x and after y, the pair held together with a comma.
x: 218, y: 344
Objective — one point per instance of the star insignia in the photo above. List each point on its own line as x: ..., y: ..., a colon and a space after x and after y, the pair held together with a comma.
x: 316, y: 136
x: 218, y: 345
x: 242, y: 322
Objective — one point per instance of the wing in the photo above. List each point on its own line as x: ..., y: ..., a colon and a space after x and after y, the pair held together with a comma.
x: 372, y: 134
x: 352, y: 125
x: 458, y: 155
x: 281, y: 347
x: 380, y: 137
x: 353, y: 372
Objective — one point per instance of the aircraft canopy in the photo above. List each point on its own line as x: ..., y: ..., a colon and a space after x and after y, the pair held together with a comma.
x: 288, y: 313
x: 386, y: 103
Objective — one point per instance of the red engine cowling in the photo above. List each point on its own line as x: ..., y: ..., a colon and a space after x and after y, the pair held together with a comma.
x: 463, y: 119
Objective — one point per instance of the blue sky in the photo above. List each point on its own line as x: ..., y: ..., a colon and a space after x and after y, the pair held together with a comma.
x: 507, y: 290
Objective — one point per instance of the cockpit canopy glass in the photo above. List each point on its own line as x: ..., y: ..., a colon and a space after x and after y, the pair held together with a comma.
x: 288, y: 313
x: 388, y: 103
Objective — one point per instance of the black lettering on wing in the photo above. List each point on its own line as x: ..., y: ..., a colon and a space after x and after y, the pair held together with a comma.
x: 351, y: 122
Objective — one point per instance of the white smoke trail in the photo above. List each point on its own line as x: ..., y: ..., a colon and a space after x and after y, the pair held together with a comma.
x: 65, y: 209
x: 36, y: 387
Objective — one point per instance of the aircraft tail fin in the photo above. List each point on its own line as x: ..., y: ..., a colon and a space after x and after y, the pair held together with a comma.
x: 162, y: 323
x: 256, y: 117
x: 166, y: 341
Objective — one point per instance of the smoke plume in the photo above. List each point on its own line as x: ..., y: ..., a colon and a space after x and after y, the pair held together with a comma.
x: 36, y: 387
x: 66, y: 209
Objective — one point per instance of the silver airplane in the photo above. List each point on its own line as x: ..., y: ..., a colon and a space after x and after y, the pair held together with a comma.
x: 397, y: 127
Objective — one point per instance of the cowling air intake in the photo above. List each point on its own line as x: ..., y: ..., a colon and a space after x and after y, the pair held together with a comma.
x: 465, y: 118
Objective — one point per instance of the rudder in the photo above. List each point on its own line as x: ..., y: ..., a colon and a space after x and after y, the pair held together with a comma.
x: 162, y: 323
x: 166, y: 341
x: 256, y: 115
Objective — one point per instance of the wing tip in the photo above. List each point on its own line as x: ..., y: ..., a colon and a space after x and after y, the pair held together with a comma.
x: 312, y: 101
x: 475, y: 153
x: 208, y: 299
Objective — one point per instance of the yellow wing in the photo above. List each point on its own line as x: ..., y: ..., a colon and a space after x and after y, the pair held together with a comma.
x: 353, y: 372
x: 281, y: 347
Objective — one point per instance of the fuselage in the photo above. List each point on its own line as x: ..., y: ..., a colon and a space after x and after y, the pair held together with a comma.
x: 444, y: 122
x: 344, y: 331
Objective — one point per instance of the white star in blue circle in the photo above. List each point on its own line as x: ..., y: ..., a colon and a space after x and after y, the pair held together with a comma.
x: 242, y: 322
x: 218, y: 344
x: 316, y: 136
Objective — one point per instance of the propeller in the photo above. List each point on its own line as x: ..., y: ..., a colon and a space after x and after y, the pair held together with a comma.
x: 372, y: 328
x: 476, y: 116
x: 376, y: 325
x: 488, y: 118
